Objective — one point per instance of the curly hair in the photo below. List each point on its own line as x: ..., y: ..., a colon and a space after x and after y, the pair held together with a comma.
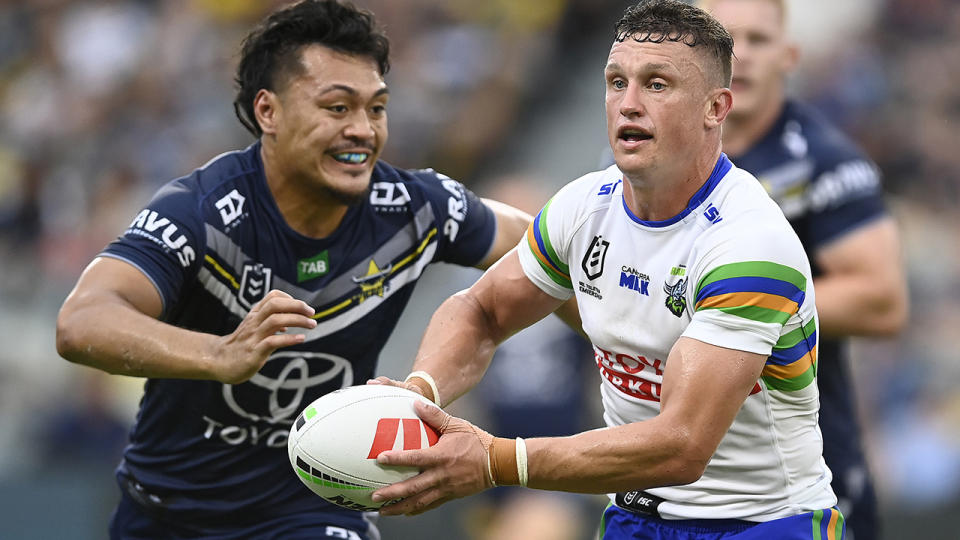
x: 656, y: 21
x: 272, y: 50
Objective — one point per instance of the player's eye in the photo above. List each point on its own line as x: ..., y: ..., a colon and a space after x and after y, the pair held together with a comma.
x: 619, y: 84
x: 338, y: 108
x: 657, y: 85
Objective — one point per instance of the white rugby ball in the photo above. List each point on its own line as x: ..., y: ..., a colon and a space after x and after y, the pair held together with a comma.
x: 334, y: 443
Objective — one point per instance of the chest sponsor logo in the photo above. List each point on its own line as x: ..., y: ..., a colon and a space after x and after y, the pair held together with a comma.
x: 150, y: 225
x: 631, y: 279
x: 313, y: 267
x: 230, y: 207
x: 634, y: 375
x: 271, y: 399
x: 676, y: 289
x: 388, y: 196
x: 254, y: 284
x: 373, y: 283
x: 593, y: 259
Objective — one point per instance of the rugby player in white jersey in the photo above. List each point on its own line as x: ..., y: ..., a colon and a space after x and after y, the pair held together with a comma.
x: 698, y: 299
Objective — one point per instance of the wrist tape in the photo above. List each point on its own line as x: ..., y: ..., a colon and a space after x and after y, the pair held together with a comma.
x: 428, y: 387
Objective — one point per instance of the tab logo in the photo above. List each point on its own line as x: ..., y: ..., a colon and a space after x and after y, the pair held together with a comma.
x: 313, y: 267
x: 388, y: 430
x: 254, y: 284
x: 592, y: 263
x: 230, y: 206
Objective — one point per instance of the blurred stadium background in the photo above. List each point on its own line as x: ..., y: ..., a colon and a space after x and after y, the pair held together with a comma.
x: 101, y: 101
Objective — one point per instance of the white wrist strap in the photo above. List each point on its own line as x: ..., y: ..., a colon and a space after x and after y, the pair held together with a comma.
x: 522, y: 461
x: 433, y: 384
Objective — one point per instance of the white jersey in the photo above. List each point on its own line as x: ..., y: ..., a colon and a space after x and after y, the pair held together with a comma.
x: 728, y: 271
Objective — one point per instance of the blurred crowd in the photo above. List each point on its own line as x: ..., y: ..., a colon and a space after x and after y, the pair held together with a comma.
x: 102, y: 101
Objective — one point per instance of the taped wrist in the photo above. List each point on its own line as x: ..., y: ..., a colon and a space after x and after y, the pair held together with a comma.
x: 425, y: 383
x: 507, y: 459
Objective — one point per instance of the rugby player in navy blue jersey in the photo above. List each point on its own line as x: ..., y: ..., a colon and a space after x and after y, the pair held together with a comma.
x: 265, y: 279
x: 831, y: 194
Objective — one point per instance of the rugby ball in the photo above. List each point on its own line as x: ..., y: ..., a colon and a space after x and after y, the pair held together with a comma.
x: 334, y: 443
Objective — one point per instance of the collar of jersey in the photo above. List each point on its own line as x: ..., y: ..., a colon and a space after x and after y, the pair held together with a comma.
x: 719, y: 170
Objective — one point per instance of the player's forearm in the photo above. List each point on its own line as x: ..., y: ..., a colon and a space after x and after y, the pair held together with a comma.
x: 108, y: 335
x: 457, y: 346
x: 857, y: 305
x: 623, y: 458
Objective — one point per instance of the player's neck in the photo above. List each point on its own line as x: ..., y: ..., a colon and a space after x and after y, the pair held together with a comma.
x: 660, y: 196
x: 310, y: 213
x: 742, y: 131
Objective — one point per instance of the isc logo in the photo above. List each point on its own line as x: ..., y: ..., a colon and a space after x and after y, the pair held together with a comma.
x: 389, y: 428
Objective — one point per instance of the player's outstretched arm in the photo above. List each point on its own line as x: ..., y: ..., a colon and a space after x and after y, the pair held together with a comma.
x: 466, y: 329
x: 109, y: 322
x: 704, y: 387
x: 862, y: 290
x: 511, y: 225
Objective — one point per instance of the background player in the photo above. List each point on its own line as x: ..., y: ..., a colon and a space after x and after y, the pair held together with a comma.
x: 832, y: 196
x: 307, y: 213
x: 697, y: 297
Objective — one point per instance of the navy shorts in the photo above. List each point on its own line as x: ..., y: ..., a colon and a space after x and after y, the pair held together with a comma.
x: 131, y: 521
x: 620, y: 524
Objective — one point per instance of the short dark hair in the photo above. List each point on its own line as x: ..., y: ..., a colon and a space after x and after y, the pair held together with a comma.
x: 657, y: 21
x: 272, y: 50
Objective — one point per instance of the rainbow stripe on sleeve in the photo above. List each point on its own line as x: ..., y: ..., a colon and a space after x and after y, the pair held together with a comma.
x: 538, y: 238
x: 770, y: 293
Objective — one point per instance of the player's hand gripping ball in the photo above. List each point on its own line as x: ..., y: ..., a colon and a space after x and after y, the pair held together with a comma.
x: 334, y: 443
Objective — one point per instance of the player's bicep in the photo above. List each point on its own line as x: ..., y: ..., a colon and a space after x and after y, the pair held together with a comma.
x: 873, y: 248
x: 110, y: 280
x: 511, y: 225
x: 509, y: 299
x: 704, y: 387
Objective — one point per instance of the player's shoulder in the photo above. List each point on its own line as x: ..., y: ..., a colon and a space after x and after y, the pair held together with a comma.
x: 591, y: 192
x: 223, y: 172
x: 740, y: 210
x: 824, y: 141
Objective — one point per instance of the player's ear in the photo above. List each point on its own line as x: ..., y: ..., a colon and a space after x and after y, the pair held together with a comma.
x: 266, y: 107
x: 719, y: 103
x: 790, y: 57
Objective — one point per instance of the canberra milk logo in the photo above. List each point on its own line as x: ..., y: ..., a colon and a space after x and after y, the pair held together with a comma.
x: 230, y: 206
x: 148, y: 224
x: 254, y: 284
x: 313, y: 267
x: 631, y: 279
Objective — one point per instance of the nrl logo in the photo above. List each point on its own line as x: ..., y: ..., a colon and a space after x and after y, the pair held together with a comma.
x: 676, y: 293
x: 592, y: 263
x: 254, y: 284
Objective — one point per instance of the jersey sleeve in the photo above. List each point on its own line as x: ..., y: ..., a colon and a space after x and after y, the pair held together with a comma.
x: 750, y: 289
x: 846, y: 192
x: 164, y: 241
x: 465, y: 226
x: 545, y: 247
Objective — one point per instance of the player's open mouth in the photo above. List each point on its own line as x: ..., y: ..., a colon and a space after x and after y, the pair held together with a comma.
x: 352, y: 158
x: 633, y: 135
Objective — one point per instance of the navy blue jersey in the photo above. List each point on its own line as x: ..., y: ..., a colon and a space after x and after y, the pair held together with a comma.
x: 213, y: 243
x: 826, y: 187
